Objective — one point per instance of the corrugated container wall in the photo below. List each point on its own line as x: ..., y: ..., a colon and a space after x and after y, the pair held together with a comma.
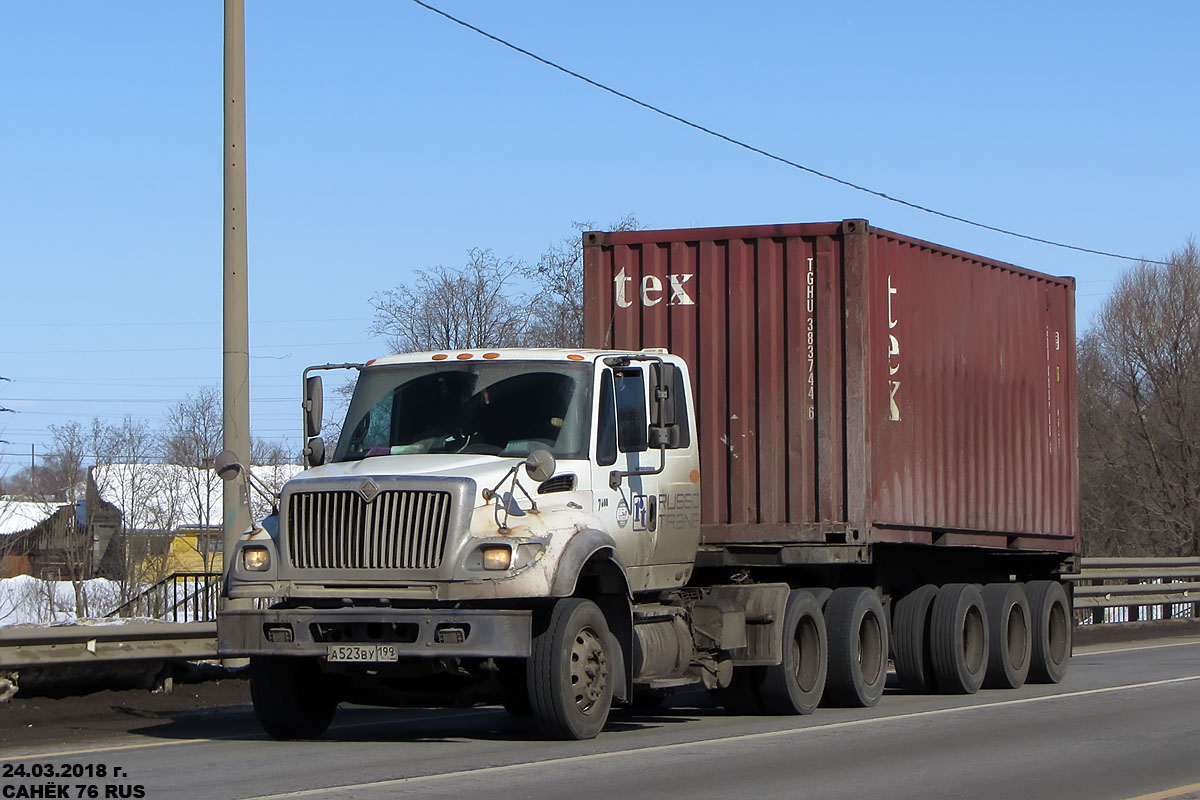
x: 854, y: 384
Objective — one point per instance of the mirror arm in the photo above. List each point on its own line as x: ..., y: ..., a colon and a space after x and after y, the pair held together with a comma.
x: 617, y: 475
x: 306, y: 404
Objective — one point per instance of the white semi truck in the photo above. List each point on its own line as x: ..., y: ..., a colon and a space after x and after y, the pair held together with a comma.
x: 541, y: 528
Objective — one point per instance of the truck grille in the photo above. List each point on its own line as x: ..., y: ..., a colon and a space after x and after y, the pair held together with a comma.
x: 340, y: 530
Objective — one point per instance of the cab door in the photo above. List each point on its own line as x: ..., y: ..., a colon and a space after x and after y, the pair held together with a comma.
x: 621, y: 427
x: 654, y: 518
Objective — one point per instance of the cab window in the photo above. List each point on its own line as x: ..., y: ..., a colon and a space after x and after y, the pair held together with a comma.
x: 630, y: 385
x: 606, y: 422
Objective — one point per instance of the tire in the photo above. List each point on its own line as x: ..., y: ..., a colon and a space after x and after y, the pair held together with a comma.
x: 291, y: 697
x: 1009, y: 635
x: 959, y: 639
x: 570, y: 677
x: 1050, y: 612
x: 858, y: 648
x: 796, y: 684
x: 911, y: 641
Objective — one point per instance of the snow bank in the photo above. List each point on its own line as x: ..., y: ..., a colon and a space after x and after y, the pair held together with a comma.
x: 26, y: 600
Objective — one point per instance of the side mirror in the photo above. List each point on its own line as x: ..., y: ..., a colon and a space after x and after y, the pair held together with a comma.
x: 664, y: 431
x: 540, y: 465
x: 314, y: 451
x: 662, y: 397
x: 314, y: 401
x: 227, y: 465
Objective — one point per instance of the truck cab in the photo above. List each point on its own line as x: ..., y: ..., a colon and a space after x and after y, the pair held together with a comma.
x: 467, y: 492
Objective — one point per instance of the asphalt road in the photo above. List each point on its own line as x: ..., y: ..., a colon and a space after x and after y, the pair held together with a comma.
x: 1124, y: 724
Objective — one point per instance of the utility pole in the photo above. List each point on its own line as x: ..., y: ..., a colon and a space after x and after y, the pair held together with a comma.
x: 236, y: 348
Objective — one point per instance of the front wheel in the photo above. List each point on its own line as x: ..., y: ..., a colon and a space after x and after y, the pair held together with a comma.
x: 570, y: 672
x: 290, y: 696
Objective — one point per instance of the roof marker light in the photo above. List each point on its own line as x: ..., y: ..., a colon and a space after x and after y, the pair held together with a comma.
x: 369, y: 363
x: 464, y: 356
x: 491, y: 355
x: 575, y: 357
x: 440, y: 357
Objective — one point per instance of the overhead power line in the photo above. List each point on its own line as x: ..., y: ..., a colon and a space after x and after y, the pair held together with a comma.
x: 770, y: 155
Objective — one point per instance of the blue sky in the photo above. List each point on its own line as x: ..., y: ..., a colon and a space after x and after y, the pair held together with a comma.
x: 383, y: 139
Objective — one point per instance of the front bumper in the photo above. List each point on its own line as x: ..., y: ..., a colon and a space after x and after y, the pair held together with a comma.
x: 417, y: 633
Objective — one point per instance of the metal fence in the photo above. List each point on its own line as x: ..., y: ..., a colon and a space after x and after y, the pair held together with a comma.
x: 1110, y: 590
x: 180, y: 597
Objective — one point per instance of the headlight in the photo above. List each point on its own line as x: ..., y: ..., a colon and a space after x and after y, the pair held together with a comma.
x: 256, y: 559
x: 496, y: 557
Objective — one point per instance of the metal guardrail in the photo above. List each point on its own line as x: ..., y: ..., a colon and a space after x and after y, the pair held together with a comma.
x: 1113, y: 590
x: 1108, y: 590
x: 29, y: 646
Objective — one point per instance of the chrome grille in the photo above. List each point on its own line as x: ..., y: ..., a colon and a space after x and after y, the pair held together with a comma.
x: 340, y: 530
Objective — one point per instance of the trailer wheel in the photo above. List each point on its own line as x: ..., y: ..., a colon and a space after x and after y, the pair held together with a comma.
x: 795, y: 685
x: 1009, y: 635
x: 959, y: 634
x: 290, y: 696
x: 569, y: 672
x: 1051, y: 615
x: 858, y: 647
x: 911, y: 640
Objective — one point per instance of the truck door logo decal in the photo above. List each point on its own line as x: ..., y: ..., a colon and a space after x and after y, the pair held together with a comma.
x: 640, y: 523
x: 651, y: 290
x: 677, y: 511
x: 622, y: 513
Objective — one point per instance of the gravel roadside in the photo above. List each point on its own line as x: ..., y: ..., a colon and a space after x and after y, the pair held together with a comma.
x: 56, y: 722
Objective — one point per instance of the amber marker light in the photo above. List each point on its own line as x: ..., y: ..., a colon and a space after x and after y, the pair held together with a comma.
x: 575, y: 357
x: 369, y: 363
x: 464, y: 356
x: 491, y: 355
x: 440, y: 357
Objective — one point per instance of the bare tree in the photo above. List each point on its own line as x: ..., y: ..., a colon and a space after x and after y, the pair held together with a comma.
x: 120, y: 451
x: 265, y: 451
x: 477, y: 305
x: 67, y: 462
x: 1140, y: 413
x: 192, y: 437
x: 558, y: 304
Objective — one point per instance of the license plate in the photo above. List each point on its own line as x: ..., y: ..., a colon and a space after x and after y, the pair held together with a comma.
x: 362, y: 652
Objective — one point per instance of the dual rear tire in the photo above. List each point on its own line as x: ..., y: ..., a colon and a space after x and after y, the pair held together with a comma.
x: 958, y: 638
x: 836, y: 653
x: 797, y: 683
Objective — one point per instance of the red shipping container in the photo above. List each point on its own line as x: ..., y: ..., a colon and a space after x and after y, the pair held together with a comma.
x: 856, y: 385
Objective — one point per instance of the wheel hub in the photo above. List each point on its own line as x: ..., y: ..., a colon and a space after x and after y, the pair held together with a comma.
x: 589, y: 669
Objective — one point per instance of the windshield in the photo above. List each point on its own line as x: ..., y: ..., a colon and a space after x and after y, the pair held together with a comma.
x: 486, y: 407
